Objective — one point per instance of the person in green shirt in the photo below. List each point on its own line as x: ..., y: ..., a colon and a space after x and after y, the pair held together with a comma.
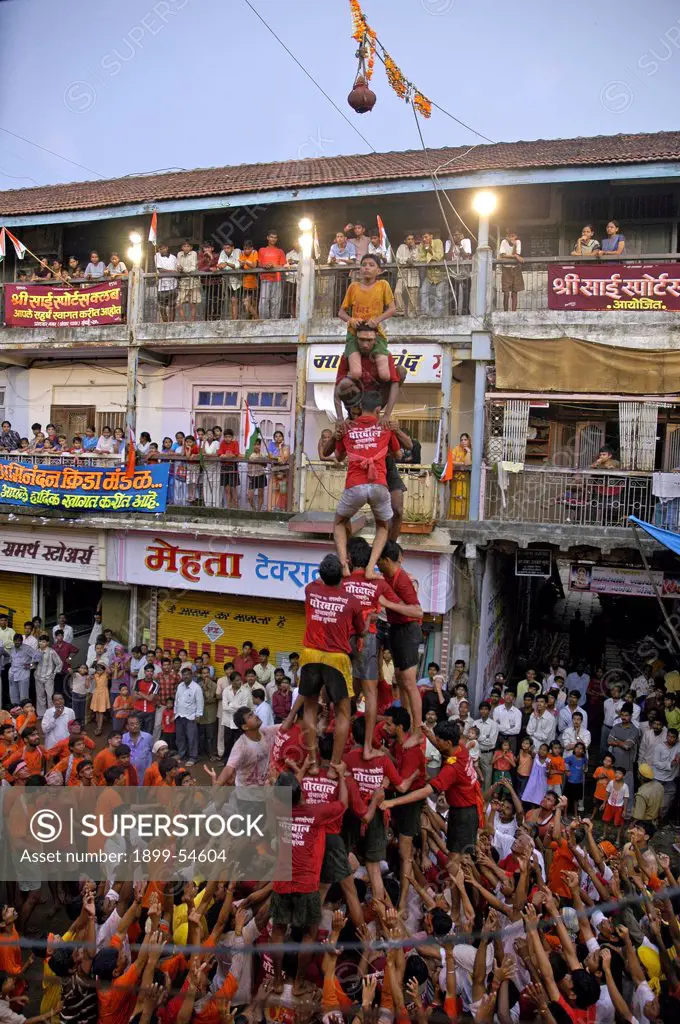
x: 207, y: 723
x: 672, y: 711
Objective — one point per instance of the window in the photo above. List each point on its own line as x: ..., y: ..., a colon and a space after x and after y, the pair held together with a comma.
x: 269, y: 399
x: 217, y: 399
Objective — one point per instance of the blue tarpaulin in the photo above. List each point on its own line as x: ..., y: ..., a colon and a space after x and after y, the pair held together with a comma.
x: 665, y: 537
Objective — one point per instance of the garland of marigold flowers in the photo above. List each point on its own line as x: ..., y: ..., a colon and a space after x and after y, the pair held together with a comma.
x: 368, y: 43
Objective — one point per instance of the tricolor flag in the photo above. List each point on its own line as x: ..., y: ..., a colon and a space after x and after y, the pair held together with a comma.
x: 251, y: 433
x: 19, y: 247
x: 3, y: 244
x: 152, y: 229
x: 384, y: 240
x: 131, y: 454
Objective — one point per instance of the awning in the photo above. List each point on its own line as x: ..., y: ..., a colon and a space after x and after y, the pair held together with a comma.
x: 664, y: 537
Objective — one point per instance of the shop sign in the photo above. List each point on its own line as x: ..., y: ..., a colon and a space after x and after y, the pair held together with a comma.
x: 423, y: 363
x: 259, y: 568
x: 533, y: 562
x: 603, y: 579
x: 640, y: 286
x: 83, y: 488
x: 52, y: 553
x: 40, y: 305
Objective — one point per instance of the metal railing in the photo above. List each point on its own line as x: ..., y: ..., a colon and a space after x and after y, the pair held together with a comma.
x: 414, y: 293
x: 93, y: 460
x: 246, y: 485
x: 567, y: 497
x: 323, y: 483
x: 253, y: 294
x: 459, y: 494
x: 534, y: 270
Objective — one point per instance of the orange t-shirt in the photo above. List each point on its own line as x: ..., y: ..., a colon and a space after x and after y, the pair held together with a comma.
x: 563, y: 860
x: 60, y: 749
x: 558, y: 769
x: 10, y: 952
x: 152, y: 776
x: 249, y: 260
x: 35, y: 758
x: 117, y: 998
x: 604, y: 775
x: 366, y: 303
x: 62, y: 766
x: 104, y: 760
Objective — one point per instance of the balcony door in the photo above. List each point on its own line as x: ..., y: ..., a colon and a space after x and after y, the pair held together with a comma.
x: 72, y: 419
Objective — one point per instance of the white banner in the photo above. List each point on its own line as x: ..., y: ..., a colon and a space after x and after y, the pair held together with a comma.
x: 260, y: 568
x: 605, y: 579
x: 423, y: 363
x: 77, y: 553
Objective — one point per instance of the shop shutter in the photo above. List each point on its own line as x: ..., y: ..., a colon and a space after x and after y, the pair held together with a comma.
x: 16, y: 598
x: 278, y: 625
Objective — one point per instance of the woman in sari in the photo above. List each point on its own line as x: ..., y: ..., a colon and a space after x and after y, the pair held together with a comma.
x: 279, y: 451
x: 460, y: 483
x: 120, y: 669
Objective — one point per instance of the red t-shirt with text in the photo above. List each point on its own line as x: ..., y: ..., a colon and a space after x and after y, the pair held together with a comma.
x: 457, y: 780
x: 332, y: 617
x: 319, y: 789
x: 369, y: 775
x: 305, y: 832
x: 402, y: 586
x: 368, y: 594
x: 366, y: 445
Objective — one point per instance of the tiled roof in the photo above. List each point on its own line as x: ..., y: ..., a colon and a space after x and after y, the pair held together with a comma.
x: 301, y: 174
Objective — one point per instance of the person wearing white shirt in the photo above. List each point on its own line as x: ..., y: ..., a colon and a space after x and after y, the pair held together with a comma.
x: 106, y: 443
x: 575, y: 733
x: 6, y: 634
x: 636, y: 713
x: 611, y: 708
x: 29, y: 637
x: 542, y: 725
x: 96, y: 631
x: 235, y: 694
x: 97, y: 654
x: 564, y: 718
x: 55, y: 722
x: 166, y: 268
x: 264, y: 670
x: 643, y: 683
x: 488, y: 737
x: 578, y: 680
x: 64, y: 626
x: 653, y: 736
x: 262, y: 709
x: 508, y: 718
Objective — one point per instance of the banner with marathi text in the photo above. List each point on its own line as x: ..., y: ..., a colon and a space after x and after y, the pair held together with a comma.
x: 46, y: 305
x: 75, y: 488
x: 646, y: 286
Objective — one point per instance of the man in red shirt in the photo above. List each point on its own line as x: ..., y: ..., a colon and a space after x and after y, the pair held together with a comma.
x: 366, y: 443
x: 332, y: 617
x: 270, y: 256
x: 405, y: 634
x: 346, y: 388
x: 229, y: 451
x: 246, y: 660
x: 145, y: 693
x: 372, y: 595
x: 458, y: 781
x: 298, y: 901
x: 406, y: 819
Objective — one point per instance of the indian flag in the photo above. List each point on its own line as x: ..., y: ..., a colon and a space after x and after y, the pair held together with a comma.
x: 3, y: 245
x: 384, y: 240
x: 19, y: 247
x: 251, y: 433
x: 131, y: 454
x: 153, y: 228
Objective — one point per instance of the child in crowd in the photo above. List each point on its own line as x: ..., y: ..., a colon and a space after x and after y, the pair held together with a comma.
x: 617, y: 795
x: 367, y: 303
x: 471, y: 741
x: 122, y: 706
x: 537, y: 786
x: 574, y: 787
x: 247, y: 260
x: 557, y: 769
x: 503, y: 762
x: 525, y: 763
x: 101, y: 702
x: 602, y: 775
x: 168, y: 728
x: 257, y: 477
x: 282, y: 701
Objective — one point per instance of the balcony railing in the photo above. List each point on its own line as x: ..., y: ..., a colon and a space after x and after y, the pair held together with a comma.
x: 324, y: 482
x: 415, y: 294
x: 534, y: 296
x: 568, y: 497
x: 246, y: 485
x: 92, y: 460
x: 220, y: 295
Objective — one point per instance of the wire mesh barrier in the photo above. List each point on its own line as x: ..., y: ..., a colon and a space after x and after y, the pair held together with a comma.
x: 252, y: 294
x: 247, y: 485
x: 323, y: 484
x: 435, y: 289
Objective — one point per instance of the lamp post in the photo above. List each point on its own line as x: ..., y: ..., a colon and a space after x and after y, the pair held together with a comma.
x: 305, y: 301
x: 484, y: 203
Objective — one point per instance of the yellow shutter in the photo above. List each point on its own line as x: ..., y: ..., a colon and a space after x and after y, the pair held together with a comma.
x: 278, y: 625
x: 16, y: 598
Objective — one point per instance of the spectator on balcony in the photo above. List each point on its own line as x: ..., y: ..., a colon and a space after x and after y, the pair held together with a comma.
x: 118, y: 441
x: 247, y: 260
x: 408, y: 277
x: 458, y: 247
x: 342, y: 252
x: 116, y: 268
x: 229, y: 452
x: 512, y: 279
x: 211, y: 470
x: 257, y: 477
x: 106, y: 443
x: 229, y: 262
x: 178, y: 446
x: 59, y: 272
x: 43, y: 271
x: 166, y: 269
x: 615, y: 243
x: 359, y: 239
x: 10, y: 440
x: 189, y: 287
x: 586, y: 244
x: 271, y: 287
x: 90, y: 439
x: 207, y: 265
x: 461, y: 458
x: 606, y: 459
x: 278, y: 450
x: 434, y: 283
x: 325, y: 439
x: 376, y: 247
x: 144, y: 444
x: 74, y: 269
x: 293, y: 259
x: 96, y: 268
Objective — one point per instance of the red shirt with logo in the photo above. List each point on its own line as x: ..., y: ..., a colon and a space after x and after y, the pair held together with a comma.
x: 305, y: 833
x: 368, y: 594
x: 457, y: 780
x: 410, y: 760
x: 366, y: 445
x: 402, y: 586
x: 369, y: 775
x: 319, y: 789
x: 369, y: 375
x: 151, y: 689
x: 332, y: 617
x: 288, y: 745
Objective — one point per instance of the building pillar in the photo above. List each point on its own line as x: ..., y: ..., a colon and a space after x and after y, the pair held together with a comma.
x: 481, y: 354
x: 134, y: 315
x: 305, y: 311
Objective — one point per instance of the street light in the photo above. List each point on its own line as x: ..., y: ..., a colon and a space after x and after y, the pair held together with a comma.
x: 306, y: 226
x: 135, y: 251
x: 484, y: 203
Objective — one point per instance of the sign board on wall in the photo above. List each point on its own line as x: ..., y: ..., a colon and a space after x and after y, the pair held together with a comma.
x: 81, y: 487
x: 533, y: 562
x: 47, y: 305
x: 640, y: 286
x: 603, y: 579
x: 249, y: 567
x: 423, y: 363
x: 53, y: 553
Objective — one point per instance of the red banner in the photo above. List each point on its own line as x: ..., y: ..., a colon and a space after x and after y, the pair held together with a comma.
x: 45, y: 305
x: 646, y: 286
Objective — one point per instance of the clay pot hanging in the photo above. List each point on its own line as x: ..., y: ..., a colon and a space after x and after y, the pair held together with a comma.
x: 361, y: 99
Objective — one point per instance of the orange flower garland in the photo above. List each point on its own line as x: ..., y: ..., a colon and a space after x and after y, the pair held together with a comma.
x: 368, y: 42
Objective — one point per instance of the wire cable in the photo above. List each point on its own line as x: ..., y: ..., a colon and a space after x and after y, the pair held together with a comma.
x: 309, y: 76
x: 37, y: 145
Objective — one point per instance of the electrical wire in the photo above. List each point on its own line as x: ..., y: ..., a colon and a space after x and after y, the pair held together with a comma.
x: 463, y: 123
x: 310, y: 76
x: 60, y: 156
